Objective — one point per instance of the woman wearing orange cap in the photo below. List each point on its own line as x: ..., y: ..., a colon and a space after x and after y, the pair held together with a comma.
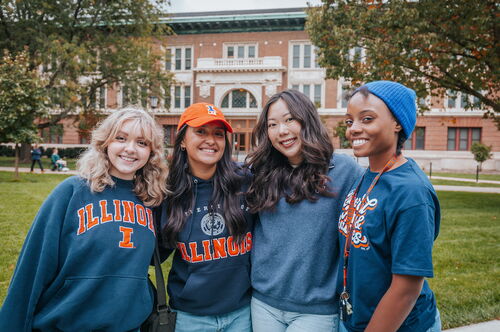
x: 206, y: 221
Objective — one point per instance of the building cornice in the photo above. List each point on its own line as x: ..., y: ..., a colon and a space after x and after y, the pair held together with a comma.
x: 287, y: 19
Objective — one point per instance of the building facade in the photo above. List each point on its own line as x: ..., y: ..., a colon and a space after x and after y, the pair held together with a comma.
x: 237, y: 60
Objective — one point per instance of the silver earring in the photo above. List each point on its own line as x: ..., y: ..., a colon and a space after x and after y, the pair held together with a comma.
x: 183, y: 148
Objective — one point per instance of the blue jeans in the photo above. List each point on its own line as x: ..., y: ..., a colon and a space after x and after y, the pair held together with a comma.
x: 436, y: 327
x: 437, y: 323
x: 235, y: 321
x: 269, y: 319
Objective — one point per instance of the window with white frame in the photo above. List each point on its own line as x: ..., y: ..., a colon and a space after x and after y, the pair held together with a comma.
x: 129, y: 95
x: 137, y: 96
x: 240, y: 51
x: 462, y: 138
x: 239, y: 98
x: 313, y: 91
x: 357, y: 54
x: 179, y: 58
x: 100, y: 98
x: 181, y: 97
x: 461, y: 100
x: 97, y: 98
x: 303, y: 55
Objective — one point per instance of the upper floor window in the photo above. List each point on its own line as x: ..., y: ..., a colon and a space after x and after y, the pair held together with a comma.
x: 303, y: 56
x: 240, y: 51
x: 99, y: 99
x: 239, y: 98
x: 133, y: 95
x: 461, y: 139
x: 461, y: 100
x: 182, y: 97
x: 53, y: 134
x: 179, y: 58
x: 313, y: 91
x: 102, y: 97
x: 357, y: 54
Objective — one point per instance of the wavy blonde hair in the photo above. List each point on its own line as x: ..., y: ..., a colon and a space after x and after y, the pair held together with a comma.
x: 150, y: 180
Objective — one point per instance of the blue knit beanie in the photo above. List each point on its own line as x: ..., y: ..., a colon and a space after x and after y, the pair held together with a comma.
x: 400, y: 100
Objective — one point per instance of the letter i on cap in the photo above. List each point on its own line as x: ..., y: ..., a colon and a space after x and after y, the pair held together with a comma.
x: 200, y: 114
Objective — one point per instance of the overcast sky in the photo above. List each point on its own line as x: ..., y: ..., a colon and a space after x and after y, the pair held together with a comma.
x: 182, y: 6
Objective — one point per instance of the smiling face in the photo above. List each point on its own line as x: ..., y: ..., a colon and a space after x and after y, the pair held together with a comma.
x: 128, y: 151
x: 283, y: 131
x: 204, y: 147
x: 371, y: 129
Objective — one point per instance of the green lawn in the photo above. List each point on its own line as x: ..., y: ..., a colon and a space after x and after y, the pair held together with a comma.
x: 467, y: 272
x: 9, y: 162
x: 466, y: 252
x: 494, y: 177
x: 463, y: 183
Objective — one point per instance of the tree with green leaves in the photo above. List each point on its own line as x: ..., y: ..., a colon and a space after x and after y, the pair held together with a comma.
x: 82, y: 46
x: 22, y: 101
x: 481, y: 153
x: 434, y: 47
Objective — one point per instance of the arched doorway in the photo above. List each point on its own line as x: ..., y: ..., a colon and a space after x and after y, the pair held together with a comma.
x: 235, y: 100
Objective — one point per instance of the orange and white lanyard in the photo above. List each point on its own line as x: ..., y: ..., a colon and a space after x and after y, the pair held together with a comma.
x: 351, y: 213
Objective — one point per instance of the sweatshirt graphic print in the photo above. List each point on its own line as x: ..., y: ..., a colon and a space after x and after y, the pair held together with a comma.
x: 210, y: 272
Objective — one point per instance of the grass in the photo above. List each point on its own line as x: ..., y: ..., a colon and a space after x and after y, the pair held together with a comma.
x: 463, y: 183
x: 9, y: 162
x: 494, y: 177
x: 19, y: 202
x: 467, y: 273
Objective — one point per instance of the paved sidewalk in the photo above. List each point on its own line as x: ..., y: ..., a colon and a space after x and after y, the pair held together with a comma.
x: 468, y: 189
x: 36, y: 170
x: 491, y: 326
x: 463, y: 179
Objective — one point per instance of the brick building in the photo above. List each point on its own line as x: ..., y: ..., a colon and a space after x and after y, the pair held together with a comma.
x: 237, y: 60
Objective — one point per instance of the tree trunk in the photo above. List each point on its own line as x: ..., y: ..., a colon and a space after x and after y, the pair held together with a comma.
x: 25, y: 153
x: 16, y: 161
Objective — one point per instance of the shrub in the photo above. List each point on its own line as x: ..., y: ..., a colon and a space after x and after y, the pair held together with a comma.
x: 7, y: 151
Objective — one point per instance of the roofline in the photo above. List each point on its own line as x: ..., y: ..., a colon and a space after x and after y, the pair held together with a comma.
x: 238, y: 12
x: 253, y: 20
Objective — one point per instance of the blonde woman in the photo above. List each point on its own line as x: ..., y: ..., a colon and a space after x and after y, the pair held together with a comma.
x: 84, y: 263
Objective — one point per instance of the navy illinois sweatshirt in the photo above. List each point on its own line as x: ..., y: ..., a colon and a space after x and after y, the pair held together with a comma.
x: 210, y: 272
x: 84, y: 263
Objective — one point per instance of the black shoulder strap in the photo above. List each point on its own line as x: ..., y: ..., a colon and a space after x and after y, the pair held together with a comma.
x: 160, y: 282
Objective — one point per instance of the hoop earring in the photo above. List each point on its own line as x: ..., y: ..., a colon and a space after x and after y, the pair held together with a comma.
x: 183, y: 148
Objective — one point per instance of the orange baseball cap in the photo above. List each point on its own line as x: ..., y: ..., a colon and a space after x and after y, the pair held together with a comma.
x: 199, y: 114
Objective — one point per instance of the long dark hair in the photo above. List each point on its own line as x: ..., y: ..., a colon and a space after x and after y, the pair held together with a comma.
x: 227, y: 189
x: 274, y: 177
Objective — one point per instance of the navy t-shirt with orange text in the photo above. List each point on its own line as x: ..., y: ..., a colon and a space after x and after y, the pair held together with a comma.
x: 394, y: 230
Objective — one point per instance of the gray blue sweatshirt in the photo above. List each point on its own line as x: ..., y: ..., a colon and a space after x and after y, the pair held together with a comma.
x: 295, y: 255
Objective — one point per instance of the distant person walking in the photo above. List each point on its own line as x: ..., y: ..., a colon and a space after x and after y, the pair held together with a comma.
x: 36, y: 154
